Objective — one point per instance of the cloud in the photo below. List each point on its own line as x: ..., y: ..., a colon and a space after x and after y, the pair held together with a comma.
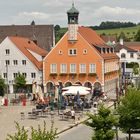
x: 116, y: 13
x: 34, y: 15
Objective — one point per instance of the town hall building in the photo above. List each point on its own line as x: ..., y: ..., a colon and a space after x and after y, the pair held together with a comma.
x: 81, y: 57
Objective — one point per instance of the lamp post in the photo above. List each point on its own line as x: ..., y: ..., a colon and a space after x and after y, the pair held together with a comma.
x: 59, y: 98
x: 7, y: 80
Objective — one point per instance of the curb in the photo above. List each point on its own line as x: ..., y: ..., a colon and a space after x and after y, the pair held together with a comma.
x: 77, y: 123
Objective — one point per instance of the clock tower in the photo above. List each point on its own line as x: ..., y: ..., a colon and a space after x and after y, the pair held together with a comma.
x: 72, y: 23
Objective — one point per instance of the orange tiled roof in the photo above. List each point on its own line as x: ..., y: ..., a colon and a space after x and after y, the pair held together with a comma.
x: 95, y: 40
x: 90, y: 35
x: 109, y: 56
x: 133, y: 45
x: 24, y: 44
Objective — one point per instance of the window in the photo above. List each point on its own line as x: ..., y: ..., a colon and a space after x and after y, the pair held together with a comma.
x: 53, y: 68
x: 23, y: 62
x: 123, y: 55
x: 7, y: 62
x: 7, y: 51
x: 131, y: 55
x: 24, y: 74
x: 72, y: 68
x: 82, y: 68
x: 15, y: 62
x: 84, y: 51
x: 60, y: 52
x: 72, y: 52
x: 33, y: 75
x: 63, y: 68
x: 92, y: 68
x: 4, y: 75
x: 15, y: 75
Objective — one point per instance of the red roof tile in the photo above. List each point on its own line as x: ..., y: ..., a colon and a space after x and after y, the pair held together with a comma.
x: 95, y: 40
x: 24, y: 45
x: 90, y: 35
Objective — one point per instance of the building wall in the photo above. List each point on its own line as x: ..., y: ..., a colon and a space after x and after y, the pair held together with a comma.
x: 128, y: 58
x: 15, y: 54
x: 54, y: 57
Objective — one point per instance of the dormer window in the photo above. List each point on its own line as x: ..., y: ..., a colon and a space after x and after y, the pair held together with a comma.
x: 72, y: 52
x: 107, y: 50
x: 103, y: 50
x: 131, y: 55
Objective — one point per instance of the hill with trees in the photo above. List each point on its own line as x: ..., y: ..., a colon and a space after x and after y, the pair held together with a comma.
x: 129, y: 29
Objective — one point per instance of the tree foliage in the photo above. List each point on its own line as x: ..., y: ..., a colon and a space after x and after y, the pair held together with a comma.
x: 2, y: 86
x: 102, y: 124
x: 129, y: 110
x: 113, y: 25
x: 20, y: 81
x: 36, y: 134
x: 137, y: 36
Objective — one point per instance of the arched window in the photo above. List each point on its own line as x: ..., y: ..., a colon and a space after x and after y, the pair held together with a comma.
x: 123, y: 55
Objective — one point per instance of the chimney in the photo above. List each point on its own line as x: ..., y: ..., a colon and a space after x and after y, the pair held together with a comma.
x: 121, y: 41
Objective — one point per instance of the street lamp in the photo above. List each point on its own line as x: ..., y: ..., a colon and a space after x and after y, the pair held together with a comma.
x: 59, y: 98
x: 7, y: 80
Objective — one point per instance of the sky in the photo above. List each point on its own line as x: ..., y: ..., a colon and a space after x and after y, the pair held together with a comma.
x: 92, y: 12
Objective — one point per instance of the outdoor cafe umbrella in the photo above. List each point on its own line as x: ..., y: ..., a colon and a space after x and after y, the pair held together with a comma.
x: 73, y: 90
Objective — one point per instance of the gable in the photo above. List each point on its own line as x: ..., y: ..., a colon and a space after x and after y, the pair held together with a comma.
x: 64, y: 46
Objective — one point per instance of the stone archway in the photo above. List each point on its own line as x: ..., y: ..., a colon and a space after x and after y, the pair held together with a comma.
x: 97, y: 89
x: 88, y: 84
x: 78, y: 83
x: 68, y: 84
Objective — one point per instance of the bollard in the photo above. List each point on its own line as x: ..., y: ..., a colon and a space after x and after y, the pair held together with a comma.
x: 24, y: 102
x: 6, y: 102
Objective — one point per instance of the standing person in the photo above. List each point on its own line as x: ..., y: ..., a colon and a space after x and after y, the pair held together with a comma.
x: 73, y: 115
x: 34, y: 87
x: 39, y: 93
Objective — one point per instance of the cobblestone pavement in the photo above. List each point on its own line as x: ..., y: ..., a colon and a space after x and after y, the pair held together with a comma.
x: 10, y: 114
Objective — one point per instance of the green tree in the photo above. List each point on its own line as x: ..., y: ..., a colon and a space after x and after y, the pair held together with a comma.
x: 122, y: 36
x: 102, y: 124
x: 2, y: 86
x: 20, y: 81
x: 36, y: 134
x: 129, y: 111
x: 137, y: 36
x: 21, y: 133
x: 40, y: 134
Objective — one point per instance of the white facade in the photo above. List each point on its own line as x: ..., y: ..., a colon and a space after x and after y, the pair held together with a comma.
x: 128, y: 57
x: 29, y: 68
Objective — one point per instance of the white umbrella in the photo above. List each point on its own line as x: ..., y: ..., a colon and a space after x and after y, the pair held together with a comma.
x: 73, y: 90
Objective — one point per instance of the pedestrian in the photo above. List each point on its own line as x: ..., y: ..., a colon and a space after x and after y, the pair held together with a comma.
x: 39, y: 93
x: 73, y: 115
x: 34, y: 87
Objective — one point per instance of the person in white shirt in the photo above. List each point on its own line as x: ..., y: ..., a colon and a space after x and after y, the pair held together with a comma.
x: 73, y: 114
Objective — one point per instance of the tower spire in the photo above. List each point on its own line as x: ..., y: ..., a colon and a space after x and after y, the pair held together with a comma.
x: 72, y: 23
